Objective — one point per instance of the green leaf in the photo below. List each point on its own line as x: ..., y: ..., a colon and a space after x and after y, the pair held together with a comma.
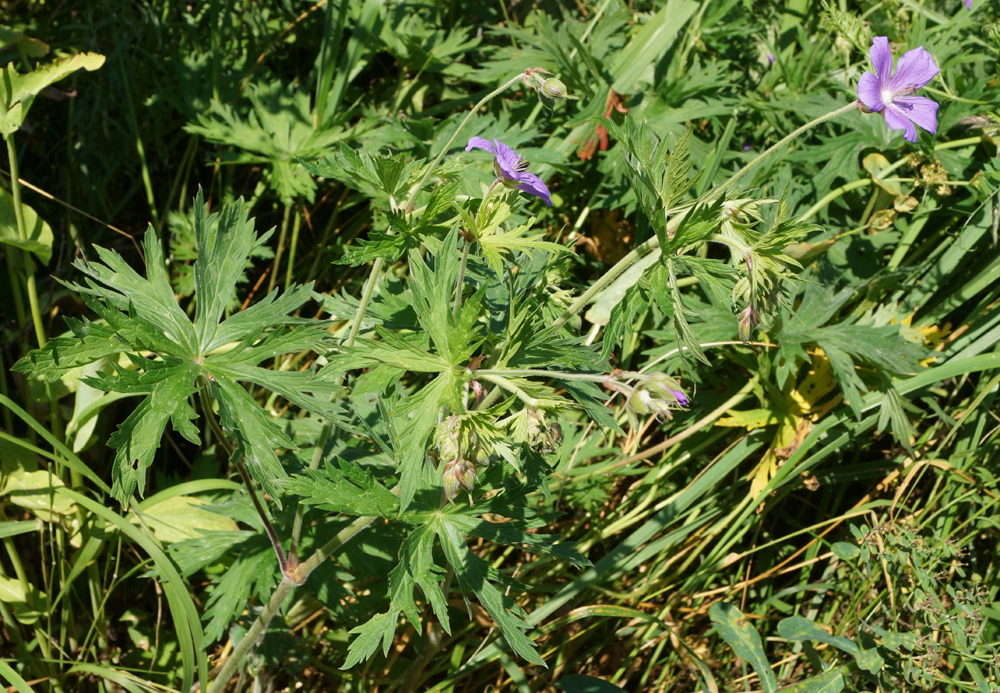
x: 799, y: 628
x: 17, y: 91
x: 379, y: 628
x: 254, y: 433
x: 39, y: 233
x: 736, y: 630
x: 225, y: 243
x: 870, y: 660
x: 344, y: 488
x: 417, y: 416
x: 831, y: 681
x: 170, y: 384
x: 581, y: 683
x: 472, y: 573
x: 417, y: 568
x: 652, y: 41
x: 845, y: 551
x: 151, y: 298
x: 180, y: 517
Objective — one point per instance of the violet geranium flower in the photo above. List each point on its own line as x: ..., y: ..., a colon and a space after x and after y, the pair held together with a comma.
x: 888, y: 93
x: 511, y: 169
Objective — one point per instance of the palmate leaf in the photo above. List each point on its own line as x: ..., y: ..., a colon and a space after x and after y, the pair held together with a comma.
x: 169, y: 354
x: 449, y: 529
x: 344, y: 488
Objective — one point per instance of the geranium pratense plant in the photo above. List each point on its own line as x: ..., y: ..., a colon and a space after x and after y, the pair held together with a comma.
x: 891, y: 93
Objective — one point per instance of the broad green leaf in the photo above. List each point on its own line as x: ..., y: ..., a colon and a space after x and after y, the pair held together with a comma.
x: 28, y: 604
x: 831, y: 681
x: 799, y: 628
x: 38, y: 233
x: 18, y: 91
x: 181, y: 517
x: 651, y: 42
x: 845, y: 551
x: 870, y: 660
x: 736, y: 630
x: 35, y: 491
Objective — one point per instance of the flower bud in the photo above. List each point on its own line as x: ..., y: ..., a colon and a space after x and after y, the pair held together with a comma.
x: 543, y: 435
x: 747, y: 320
x: 458, y: 473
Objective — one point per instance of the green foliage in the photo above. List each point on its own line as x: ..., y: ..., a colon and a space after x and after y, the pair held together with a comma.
x: 800, y: 338
x: 157, y: 351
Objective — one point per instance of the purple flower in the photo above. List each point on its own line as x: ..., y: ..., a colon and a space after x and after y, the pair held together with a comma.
x: 968, y: 5
x: 511, y: 169
x: 889, y: 93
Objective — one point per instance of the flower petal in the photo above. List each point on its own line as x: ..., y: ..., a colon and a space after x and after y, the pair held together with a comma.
x: 915, y: 69
x: 920, y: 110
x: 533, y: 185
x: 881, y: 56
x: 869, y: 92
x: 896, y: 119
x: 968, y: 5
x: 479, y: 143
x: 507, y: 160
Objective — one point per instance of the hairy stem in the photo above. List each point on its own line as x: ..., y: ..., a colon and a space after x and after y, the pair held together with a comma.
x: 285, y: 587
x: 301, y: 572
x: 461, y: 281
x: 447, y: 145
x: 206, y: 404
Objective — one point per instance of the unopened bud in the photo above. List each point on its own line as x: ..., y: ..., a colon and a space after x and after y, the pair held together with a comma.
x: 747, y: 320
x: 543, y: 435
x: 458, y: 474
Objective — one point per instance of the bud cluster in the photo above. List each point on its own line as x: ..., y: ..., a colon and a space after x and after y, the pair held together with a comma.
x: 459, y: 448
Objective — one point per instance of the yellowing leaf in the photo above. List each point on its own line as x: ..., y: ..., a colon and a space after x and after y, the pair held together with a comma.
x: 818, y: 383
x: 749, y: 419
x: 35, y: 491
x: 182, y: 517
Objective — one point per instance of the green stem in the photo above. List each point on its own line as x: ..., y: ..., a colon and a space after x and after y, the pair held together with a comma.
x: 285, y: 588
x: 716, y: 193
x: 461, y: 281
x: 296, y: 223
x: 709, y: 197
x: 22, y: 234
x: 510, y: 387
x: 281, y: 245
x: 461, y: 126
x: 539, y: 373
x: 302, y: 571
